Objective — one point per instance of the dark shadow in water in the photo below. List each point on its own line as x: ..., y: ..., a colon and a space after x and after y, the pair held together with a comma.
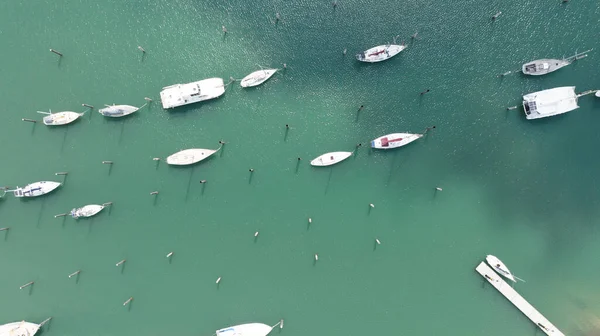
x: 155, y: 199
x: 255, y: 239
x: 123, y: 268
x: 203, y: 187
x: 393, y: 164
x: 308, y: 225
x: 369, y: 210
x: 297, y: 165
x: 285, y: 134
x: 157, y: 164
x: 187, y: 191
x: 224, y: 37
x: 77, y: 277
x: 143, y: 57
x: 222, y: 150
x: 64, y: 140
x: 33, y: 128
x: 328, y: 180
x: 64, y: 221
x: 31, y: 288
x: 250, y: 177
x: 171, y: 258
x: 129, y: 305
x: 181, y: 111
x: 374, y: 245
x: 41, y: 213
x: 59, y: 62
x: 6, y: 234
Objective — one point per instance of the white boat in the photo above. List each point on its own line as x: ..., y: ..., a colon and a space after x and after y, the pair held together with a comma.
x: 394, y: 140
x: 35, y: 189
x: 257, y: 77
x: 547, y: 65
x: 190, y: 156
x: 597, y: 94
x: 86, y: 211
x: 116, y: 111
x: 499, y: 267
x: 183, y: 94
x: 329, y: 159
x: 248, y: 329
x: 19, y: 329
x: 60, y: 118
x: 380, y: 53
x: 550, y: 102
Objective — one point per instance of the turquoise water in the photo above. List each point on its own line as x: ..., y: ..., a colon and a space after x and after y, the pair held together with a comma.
x: 525, y: 191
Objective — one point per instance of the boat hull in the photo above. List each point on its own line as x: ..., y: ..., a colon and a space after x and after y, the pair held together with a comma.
x: 116, y: 111
x: 257, y: 77
x: 19, y: 329
x: 499, y: 267
x: 184, y: 94
x: 394, y: 140
x: 61, y: 118
x: 329, y: 159
x: 86, y: 211
x: 36, y: 189
x: 249, y: 329
x: 380, y: 53
x: 190, y: 156
x: 551, y: 102
x: 543, y: 66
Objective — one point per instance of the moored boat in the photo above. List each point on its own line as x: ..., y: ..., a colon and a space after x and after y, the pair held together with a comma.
x: 550, y: 102
x: 190, y: 156
x: 116, y: 111
x: 86, y: 211
x: 394, y: 140
x: 499, y: 267
x: 36, y: 189
x: 257, y: 77
x: 19, y: 329
x: 547, y: 65
x: 380, y: 53
x: 248, y: 329
x: 329, y: 159
x: 60, y: 118
x: 183, y: 94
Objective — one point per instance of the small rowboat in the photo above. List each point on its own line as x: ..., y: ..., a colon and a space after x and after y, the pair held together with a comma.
x: 394, y: 140
x: 35, y: 189
x: 380, y: 53
x: 116, y: 111
x: 60, y: 118
x: 329, y: 159
x: 86, y: 211
x: 500, y: 268
x: 257, y: 77
x: 248, y: 329
x: 190, y: 156
x: 19, y: 329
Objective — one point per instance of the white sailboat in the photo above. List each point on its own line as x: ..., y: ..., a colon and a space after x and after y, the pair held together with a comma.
x: 257, y: 77
x: 500, y: 268
x: 86, y: 211
x: 329, y: 159
x: 394, y: 140
x: 35, y: 189
x: 19, y: 329
x: 248, y: 329
x: 60, y: 118
x: 597, y: 94
x: 380, y: 53
x: 190, y: 156
x: 116, y: 111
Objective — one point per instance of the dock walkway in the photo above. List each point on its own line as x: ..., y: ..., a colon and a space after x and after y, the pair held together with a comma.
x: 514, y: 297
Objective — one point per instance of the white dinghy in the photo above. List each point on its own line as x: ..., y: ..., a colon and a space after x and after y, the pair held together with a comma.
x: 60, y: 118
x: 116, y: 111
x: 86, y: 211
x: 329, y: 159
x: 500, y: 268
x: 248, y: 329
x: 190, y: 156
x: 36, y: 189
x: 380, y: 53
x: 19, y: 329
x: 257, y: 77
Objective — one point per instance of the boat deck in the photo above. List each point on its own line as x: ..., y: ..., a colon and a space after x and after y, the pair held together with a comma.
x: 516, y: 299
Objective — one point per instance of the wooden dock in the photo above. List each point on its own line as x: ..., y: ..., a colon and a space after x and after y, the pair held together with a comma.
x: 514, y: 297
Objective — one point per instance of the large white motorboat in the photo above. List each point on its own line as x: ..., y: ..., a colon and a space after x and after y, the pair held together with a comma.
x: 183, y: 94
x: 329, y: 159
x: 19, y: 329
x: 190, y: 156
x: 394, y: 140
x: 380, y: 53
x: 248, y: 329
x: 499, y: 267
x: 36, y: 189
x: 86, y: 211
x: 257, y: 77
x: 60, y: 118
x: 550, y: 102
x: 116, y: 111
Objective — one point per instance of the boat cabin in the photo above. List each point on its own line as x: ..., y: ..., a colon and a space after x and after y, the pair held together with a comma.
x: 550, y: 102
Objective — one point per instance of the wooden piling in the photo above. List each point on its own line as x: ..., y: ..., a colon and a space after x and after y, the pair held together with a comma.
x: 56, y: 52
x: 26, y: 285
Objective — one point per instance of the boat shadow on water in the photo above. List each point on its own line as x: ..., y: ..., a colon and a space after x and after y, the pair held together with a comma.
x: 121, y: 120
x: 183, y: 111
